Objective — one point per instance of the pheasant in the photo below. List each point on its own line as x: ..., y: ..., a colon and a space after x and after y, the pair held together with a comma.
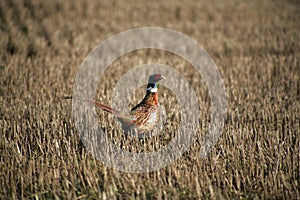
x: 143, y: 116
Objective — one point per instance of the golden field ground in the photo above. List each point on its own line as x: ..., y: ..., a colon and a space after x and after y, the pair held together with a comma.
x: 256, y: 46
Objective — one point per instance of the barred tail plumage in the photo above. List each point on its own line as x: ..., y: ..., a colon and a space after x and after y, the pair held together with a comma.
x: 105, y: 107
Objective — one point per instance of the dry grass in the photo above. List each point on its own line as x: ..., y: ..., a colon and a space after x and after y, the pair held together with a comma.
x: 256, y: 46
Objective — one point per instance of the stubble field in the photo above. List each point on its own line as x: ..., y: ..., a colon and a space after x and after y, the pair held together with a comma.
x: 256, y: 47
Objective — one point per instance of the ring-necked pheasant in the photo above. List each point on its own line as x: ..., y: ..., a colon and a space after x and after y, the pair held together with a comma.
x: 143, y: 117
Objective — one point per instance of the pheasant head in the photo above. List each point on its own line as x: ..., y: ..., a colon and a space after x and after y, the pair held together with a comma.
x: 151, y: 97
x: 152, y: 82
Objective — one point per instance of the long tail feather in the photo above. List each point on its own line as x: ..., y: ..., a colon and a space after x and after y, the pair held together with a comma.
x: 104, y: 107
x: 123, y: 117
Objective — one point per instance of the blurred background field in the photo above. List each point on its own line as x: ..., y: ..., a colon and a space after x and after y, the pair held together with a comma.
x: 256, y: 46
